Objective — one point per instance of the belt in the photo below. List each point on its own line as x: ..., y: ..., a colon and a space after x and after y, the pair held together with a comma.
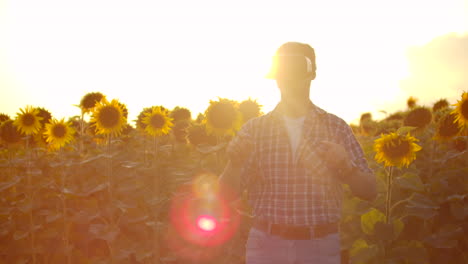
x: 289, y: 232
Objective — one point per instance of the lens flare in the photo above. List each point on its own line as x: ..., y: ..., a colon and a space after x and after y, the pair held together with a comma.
x: 206, y: 223
x: 201, y: 219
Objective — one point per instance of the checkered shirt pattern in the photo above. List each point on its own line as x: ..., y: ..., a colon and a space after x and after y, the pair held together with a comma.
x: 298, y: 192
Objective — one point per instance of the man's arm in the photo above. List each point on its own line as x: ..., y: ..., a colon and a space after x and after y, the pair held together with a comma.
x: 231, y: 179
x: 363, y: 184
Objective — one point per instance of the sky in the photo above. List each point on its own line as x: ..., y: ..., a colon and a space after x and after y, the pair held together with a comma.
x: 371, y: 55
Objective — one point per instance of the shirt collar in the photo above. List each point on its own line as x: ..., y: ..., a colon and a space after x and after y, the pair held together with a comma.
x: 313, y: 111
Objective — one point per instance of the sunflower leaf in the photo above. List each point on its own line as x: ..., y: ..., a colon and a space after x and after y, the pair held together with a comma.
x: 410, y: 181
x: 363, y: 252
x: 370, y: 219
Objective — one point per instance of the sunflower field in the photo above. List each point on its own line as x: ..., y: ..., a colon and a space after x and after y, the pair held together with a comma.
x: 94, y: 189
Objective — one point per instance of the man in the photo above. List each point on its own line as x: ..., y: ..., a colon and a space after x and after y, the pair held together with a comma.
x: 292, y: 161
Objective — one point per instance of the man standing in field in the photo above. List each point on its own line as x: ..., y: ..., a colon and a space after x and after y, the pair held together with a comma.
x: 292, y: 161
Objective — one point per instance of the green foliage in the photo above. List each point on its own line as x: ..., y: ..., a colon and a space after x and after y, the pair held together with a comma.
x: 111, y: 200
x: 421, y: 212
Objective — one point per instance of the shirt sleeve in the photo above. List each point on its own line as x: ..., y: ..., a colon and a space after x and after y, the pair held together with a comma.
x: 354, y: 148
x: 241, y: 146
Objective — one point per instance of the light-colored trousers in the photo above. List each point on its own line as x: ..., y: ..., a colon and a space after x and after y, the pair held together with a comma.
x: 263, y: 248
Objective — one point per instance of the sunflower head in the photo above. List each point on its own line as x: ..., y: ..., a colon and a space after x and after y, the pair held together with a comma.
x: 180, y: 113
x: 45, y: 114
x: 460, y: 144
x: 395, y: 116
x: 447, y: 127
x: 108, y: 118
x: 124, y: 110
x: 9, y: 133
x: 419, y: 117
x: 157, y: 122
x: 394, y: 149
x: 59, y: 133
x: 180, y: 130
x: 89, y: 101
x: 200, y: 118
x: 139, y: 121
x: 4, y: 117
x: 461, y: 111
x: 365, y: 117
x: 197, y: 135
x: 28, y: 120
x: 249, y: 109
x: 366, y: 125
x: 440, y: 105
x: 411, y: 102
x: 223, y: 117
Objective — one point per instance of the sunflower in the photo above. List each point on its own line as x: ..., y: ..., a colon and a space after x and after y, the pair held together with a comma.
x: 197, y: 135
x: 460, y: 144
x: 367, y: 126
x: 180, y: 130
x: 411, y: 102
x: 461, y: 111
x: 419, y: 117
x: 396, y: 150
x: 223, y: 117
x: 447, y: 127
x: 157, y: 122
x: 440, y: 105
x: 124, y: 110
x: 28, y: 121
x: 89, y: 101
x: 395, y: 116
x: 9, y: 133
x: 139, y: 121
x: 59, y: 133
x: 46, y: 116
x: 108, y: 118
x: 249, y: 109
x: 180, y: 113
x: 4, y: 117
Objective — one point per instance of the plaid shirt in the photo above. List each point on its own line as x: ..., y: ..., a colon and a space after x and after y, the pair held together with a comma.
x: 286, y: 191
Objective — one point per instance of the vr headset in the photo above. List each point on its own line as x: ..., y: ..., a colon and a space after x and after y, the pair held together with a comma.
x: 291, y: 67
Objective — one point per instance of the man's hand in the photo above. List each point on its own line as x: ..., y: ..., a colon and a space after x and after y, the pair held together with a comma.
x: 362, y: 184
x: 231, y: 178
x: 337, y: 158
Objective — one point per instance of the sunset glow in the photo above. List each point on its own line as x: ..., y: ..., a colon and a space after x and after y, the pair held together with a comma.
x: 147, y: 53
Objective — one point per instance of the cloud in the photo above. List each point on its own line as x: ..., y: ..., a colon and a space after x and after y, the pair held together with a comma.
x: 438, y: 69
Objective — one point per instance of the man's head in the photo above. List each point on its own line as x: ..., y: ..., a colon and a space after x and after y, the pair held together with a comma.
x: 293, y: 69
x: 293, y: 61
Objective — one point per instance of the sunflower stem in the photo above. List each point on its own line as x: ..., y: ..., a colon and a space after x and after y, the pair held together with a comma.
x: 110, y: 192
x: 80, y: 145
x: 388, y: 200
x: 30, y: 194
x: 156, y: 185
x: 66, y: 234
x: 156, y: 148
x: 431, y: 158
x: 218, y: 158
